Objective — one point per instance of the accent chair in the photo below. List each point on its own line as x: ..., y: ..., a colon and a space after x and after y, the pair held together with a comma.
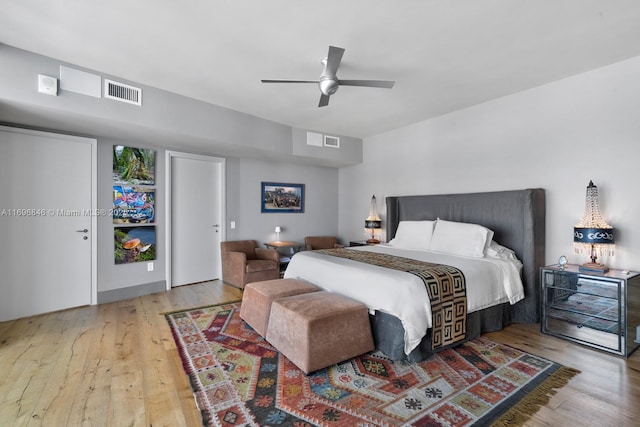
x: 244, y: 262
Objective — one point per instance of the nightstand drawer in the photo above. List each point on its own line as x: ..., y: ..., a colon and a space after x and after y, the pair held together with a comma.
x: 583, y: 333
x: 602, y: 288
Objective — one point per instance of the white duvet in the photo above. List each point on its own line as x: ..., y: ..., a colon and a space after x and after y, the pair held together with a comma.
x: 489, y: 281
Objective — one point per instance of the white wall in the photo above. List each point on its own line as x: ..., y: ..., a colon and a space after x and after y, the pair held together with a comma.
x: 557, y: 137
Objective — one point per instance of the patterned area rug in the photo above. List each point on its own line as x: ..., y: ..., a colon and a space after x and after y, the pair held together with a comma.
x: 239, y: 379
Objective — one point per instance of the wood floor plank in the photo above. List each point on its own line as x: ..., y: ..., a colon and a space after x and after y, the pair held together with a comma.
x: 127, y: 398
x: 117, y: 365
x: 40, y: 368
x: 91, y: 403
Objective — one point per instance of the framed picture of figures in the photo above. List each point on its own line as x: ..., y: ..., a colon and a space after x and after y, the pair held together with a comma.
x: 282, y: 197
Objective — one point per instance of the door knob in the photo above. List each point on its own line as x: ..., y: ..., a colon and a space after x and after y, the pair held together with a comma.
x: 84, y: 230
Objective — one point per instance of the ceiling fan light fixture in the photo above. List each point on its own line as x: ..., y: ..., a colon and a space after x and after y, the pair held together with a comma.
x: 328, y: 86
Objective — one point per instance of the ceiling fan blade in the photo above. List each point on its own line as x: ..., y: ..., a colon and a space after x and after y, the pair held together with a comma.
x: 333, y: 60
x: 324, y: 100
x: 289, y: 81
x: 368, y: 83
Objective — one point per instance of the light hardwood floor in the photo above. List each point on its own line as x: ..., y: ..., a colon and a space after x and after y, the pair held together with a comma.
x: 117, y: 365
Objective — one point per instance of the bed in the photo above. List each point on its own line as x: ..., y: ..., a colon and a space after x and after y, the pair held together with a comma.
x: 517, y: 219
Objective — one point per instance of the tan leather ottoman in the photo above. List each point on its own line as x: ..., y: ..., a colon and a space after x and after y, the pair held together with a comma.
x: 258, y: 296
x: 319, y: 329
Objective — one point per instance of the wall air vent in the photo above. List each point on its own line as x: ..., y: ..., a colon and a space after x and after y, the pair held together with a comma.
x: 314, y: 139
x: 331, y: 141
x: 122, y: 92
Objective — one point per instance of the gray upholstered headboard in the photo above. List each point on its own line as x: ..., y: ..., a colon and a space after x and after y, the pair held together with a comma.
x: 517, y: 219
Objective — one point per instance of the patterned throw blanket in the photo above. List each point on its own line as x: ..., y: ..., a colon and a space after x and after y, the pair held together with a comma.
x: 445, y: 286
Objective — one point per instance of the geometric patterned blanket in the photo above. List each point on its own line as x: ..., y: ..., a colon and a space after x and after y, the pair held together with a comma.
x: 239, y: 379
x: 445, y: 286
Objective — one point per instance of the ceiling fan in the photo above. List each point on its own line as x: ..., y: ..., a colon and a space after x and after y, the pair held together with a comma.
x: 329, y: 82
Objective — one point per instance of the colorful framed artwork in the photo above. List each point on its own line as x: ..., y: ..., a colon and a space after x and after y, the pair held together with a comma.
x: 134, y: 166
x: 134, y: 244
x: 133, y: 205
x: 281, y: 197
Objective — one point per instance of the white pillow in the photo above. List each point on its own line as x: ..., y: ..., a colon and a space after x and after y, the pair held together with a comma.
x: 413, y: 235
x: 460, y: 238
x: 496, y: 250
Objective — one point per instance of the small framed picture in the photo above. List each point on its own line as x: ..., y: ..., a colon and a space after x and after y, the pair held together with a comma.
x: 281, y: 197
x: 133, y: 205
x: 134, y: 244
x: 133, y: 166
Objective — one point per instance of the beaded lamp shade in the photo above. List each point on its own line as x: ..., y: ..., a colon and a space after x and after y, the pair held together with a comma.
x: 592, y: 235
x: 373, y: 223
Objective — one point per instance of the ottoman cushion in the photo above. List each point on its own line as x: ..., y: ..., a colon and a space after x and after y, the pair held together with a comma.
x: 258, y: 296
x: 319, y: 329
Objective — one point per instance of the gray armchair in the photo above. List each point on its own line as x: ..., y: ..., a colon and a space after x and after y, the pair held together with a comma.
x: 244, y: 262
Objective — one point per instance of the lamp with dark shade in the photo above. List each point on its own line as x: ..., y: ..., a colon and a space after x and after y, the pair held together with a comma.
x: 592, y: 235
x: 373, y: 223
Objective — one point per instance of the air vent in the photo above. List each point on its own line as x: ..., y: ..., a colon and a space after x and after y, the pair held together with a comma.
x: 331, y: 141
x: 122, y: 92
x: 314, y: 139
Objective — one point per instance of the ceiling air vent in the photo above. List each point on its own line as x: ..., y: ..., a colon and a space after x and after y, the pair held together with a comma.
x: 122, y: 92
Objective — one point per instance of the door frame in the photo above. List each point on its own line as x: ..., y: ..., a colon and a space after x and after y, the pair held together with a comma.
x: 169, y: 155
x: 93, y: 235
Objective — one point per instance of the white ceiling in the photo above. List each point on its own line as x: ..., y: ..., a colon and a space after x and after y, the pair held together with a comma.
x: 443, y: 55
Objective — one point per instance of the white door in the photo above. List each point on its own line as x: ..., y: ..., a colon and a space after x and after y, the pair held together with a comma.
x: 46, y: 222
x: 196, y: 218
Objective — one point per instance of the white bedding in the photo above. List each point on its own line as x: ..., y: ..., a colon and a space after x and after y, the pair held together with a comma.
x: 489, y: 281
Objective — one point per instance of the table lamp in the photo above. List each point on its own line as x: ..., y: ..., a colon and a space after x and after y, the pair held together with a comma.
x: 592, y: 235
x: 278, y: 230
x: 373, y: 223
